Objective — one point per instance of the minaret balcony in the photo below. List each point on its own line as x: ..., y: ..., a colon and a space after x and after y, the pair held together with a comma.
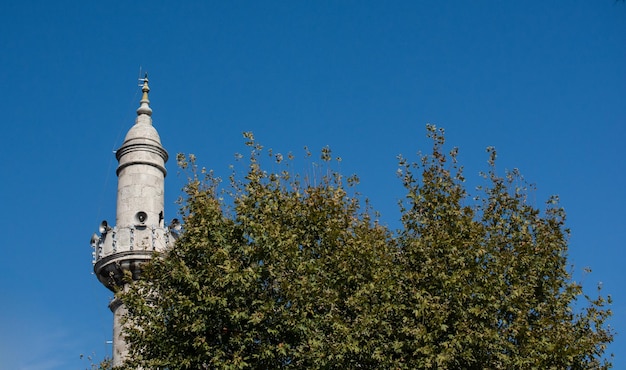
x: 120, y: 251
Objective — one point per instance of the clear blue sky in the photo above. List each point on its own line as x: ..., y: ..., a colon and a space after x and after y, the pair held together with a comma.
x: 542, y: 81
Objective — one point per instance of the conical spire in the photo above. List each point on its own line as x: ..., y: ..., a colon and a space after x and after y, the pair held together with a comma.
x: 144, y: 108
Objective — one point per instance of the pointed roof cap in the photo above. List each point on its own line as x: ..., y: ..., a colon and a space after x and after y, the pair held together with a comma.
x: 143, y: 131
x: 144, y: 108
x: 142, y: 143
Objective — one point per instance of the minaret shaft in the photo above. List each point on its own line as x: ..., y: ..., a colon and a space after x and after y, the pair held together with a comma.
x: 140, y: 189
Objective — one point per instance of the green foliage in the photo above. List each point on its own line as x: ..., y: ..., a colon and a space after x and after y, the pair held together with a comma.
x: 283, y: 271
x: 105, y: 364
x: 486, y: 278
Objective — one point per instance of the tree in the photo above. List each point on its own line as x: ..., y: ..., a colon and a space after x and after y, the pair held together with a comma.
x: 490, y: 274
x: 284, y: 271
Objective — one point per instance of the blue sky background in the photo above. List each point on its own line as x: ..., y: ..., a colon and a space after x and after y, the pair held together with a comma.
x: 542, y: 81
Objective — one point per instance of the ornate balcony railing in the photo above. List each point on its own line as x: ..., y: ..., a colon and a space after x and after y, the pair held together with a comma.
x: 132, y: 238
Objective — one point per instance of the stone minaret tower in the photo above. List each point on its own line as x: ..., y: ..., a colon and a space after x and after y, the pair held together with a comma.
x: 139, y: 229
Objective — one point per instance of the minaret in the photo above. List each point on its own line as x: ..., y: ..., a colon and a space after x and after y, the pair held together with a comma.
x: 139, y: 229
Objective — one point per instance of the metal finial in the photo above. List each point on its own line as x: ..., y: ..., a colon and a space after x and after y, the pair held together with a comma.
x: 144, y: 108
